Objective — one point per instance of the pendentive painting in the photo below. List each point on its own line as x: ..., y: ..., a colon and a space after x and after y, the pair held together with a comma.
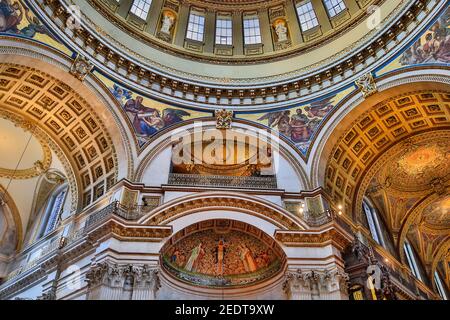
x: 147, y: 116
x: 300, y: 123
x: 221, y: 257
x: 433, y: 46
x: 17, y: 19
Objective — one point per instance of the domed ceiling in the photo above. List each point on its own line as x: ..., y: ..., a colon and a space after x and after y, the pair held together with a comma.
x: 284, y: 43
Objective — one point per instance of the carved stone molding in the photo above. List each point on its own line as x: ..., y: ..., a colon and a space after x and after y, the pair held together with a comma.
x: 81, y: 67
x: 176, y: 209
x: 112, y: 281
x: 316, y: 284
x: 366, y: 83
x: 331, y: 233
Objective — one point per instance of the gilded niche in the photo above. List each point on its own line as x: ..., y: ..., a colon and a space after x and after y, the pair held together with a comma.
x: 221, y: 253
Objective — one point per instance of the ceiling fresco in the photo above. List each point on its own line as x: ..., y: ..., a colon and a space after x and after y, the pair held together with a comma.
x: 300, y: 123
x: 16, y: 19
x: 431, y: 47
x: 147, y: 116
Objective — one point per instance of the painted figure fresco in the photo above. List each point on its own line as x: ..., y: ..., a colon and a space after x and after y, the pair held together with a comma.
x: 231, y: 255
x: 433, y: 46
x: 220, y: 253
x: 13, y: 13
x: 301, y: 125
x: 146, y: 120
x: 196, y: 255
x: 247, y: 258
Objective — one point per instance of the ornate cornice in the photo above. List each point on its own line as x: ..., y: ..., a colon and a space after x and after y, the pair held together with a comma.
x: 177, y: 89
x: 329, y: 233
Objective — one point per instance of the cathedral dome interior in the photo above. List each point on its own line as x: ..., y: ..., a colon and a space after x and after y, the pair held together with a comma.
x: 224, y: 149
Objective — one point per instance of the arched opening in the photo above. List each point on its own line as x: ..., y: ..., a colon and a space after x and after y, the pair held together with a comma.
x: 221, y: 254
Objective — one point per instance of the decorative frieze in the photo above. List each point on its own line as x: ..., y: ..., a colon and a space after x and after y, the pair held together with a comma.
x: 112, y: 57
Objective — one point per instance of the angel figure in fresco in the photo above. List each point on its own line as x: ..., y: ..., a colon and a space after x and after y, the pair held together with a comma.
x: 247, y: 258
x: 121, y: 94
x: 280, y: 120
x: 319, y: 109
x: 433, y: 47
x: 196, y: 255
x: 172, y: 116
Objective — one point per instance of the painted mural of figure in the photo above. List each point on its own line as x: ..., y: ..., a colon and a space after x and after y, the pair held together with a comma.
x: 300, y: 131
x: 219, y: 256
x: 11, y: 15
x: 135, y: 107
x: 443, y: 54
x: 175, y: 257
x: 247, y: 258
x: 151, y: 122
x: 172, y: 116
x: 196, y: 255
x: 121, y: 94
x: 280, y: 119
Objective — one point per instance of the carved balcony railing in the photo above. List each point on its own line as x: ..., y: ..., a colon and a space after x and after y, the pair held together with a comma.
x: 194, y: 180
x: 317, y: 220
x: 115, y: 208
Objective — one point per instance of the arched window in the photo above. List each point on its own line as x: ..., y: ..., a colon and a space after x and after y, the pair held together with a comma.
x: 440, y: 286
x: 307, y: 16
x: 196, y: 26
x: 53, y: 210
x: 373, y: 222
x: 334, y: 7
x: 141, y: 8
x: 412, y: 261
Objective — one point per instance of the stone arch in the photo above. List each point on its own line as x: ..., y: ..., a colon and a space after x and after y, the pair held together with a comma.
x: 162, y: 140
x: 249, y: 207
x: 413, y: 79
x: 372, y: 129
x: 37, y: 99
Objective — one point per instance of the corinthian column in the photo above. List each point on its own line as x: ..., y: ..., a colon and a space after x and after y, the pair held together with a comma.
x: 105, y: 282
x: 146, y: 283
x: 316, y: 285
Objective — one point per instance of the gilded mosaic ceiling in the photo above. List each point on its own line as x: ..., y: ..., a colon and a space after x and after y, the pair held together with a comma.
x: 222, y: 253
x: 417, y: 165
